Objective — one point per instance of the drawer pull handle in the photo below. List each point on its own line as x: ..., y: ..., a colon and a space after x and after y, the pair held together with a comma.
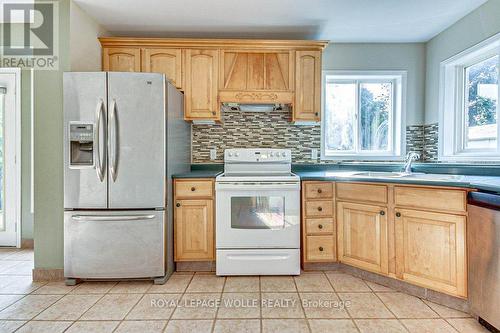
x: 321, y: 248
x: 193, y: 189
x: 382, y: 213
x: 177, y: 205
x: 319, y: 190
x: 320, y: 226
x: 320, y: 209
x: 398, y: 214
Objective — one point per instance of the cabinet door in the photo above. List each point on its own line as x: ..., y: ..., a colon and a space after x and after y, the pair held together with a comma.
x: 166, y: 61
x: 430, y: 250
x: 307, y: 106
x: 201, y: 85
x: 121, y: 59
x: 362, y: 236
x: 194, y: 230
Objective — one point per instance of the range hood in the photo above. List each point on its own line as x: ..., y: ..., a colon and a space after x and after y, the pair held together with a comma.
x: 246, y: 107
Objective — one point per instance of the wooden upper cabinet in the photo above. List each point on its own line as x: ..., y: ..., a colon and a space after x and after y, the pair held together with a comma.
x: 431, y: 250
x: 166, y: 61
x: 201, y: 99
x: 307, y: 106
x: 121, y: 59
x: 362, y: 236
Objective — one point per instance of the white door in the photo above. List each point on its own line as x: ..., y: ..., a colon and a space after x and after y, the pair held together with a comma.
x: 10, y: 156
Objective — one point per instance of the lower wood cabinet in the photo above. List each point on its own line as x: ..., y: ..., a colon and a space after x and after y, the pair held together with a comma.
x: 194, y: 220
x: 430, y: 250
x: 362, y: 236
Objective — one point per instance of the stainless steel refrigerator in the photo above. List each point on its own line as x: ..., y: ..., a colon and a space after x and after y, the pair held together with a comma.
x: 124, y: 136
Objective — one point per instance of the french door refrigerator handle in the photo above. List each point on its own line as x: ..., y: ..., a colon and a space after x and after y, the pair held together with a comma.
x: 99, y: 164
x: 90, y: 218
x: 112, y: 140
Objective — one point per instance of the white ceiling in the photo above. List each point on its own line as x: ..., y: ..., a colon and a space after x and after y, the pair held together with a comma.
x: 335, y: 20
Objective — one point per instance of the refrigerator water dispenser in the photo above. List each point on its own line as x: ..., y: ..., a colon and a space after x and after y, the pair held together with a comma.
x: 81, y: 138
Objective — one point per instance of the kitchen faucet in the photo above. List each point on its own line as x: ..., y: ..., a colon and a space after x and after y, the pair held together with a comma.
x: 410, y: 157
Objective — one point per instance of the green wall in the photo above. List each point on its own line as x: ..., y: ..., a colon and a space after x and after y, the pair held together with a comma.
x: 480, y: 24
x: 26, y: 214
x: 383, y: 56
x: 48, y: 141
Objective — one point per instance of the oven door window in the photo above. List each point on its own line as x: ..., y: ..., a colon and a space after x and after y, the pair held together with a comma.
x: 258, y: 212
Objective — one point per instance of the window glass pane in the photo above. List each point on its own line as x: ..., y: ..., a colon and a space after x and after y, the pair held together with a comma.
x: 375, y: 109
x: 340, y: 112
x: 481, y: 103
x: 257, y: 212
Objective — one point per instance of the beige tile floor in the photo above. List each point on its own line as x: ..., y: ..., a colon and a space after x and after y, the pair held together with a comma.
x: 202, y: 302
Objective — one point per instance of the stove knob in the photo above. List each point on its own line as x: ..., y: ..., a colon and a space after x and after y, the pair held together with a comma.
x: 229, y: 154
x: 283, y: 154
x: 236, y: 154
x: 271, y: 154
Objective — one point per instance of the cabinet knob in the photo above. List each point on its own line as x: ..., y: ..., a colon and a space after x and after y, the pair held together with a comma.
x: 319, y: 190
x: 382, y: 213
x: 320, y: 209
x: 398, y: 214
x: 214, y: 113
x: 177, y: 205
x: 193, y: 189
x: 316, y: 114
x: 321, y: 248
x: 320, y: 226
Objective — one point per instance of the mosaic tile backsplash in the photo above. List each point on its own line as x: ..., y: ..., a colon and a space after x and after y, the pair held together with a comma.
x: 272, y: 130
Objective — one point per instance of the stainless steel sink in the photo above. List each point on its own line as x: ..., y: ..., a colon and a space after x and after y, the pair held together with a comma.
x: 414, y: 175
x: 379, y: 174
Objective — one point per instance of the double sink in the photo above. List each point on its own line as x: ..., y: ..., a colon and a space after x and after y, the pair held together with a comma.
x: 402, y: 175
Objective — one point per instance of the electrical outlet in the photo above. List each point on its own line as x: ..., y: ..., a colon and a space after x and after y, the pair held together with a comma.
x: 213, y: 154
x: 314, y: 154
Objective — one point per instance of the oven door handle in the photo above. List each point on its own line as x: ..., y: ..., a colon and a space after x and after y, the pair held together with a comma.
x: 257, y: 186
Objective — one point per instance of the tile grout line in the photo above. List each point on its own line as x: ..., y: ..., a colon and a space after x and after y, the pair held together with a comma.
x: 303, y: 310
x: 387, y: 307
x: 217, y: 310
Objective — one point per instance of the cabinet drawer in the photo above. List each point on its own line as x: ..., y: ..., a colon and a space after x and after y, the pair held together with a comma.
x: 319, y: 208
x: 320, y: 248
x: 431, y: 198
x: 193, y: 188
x: 362, y: 192
x: 318, y: 190
x: 319, y: 226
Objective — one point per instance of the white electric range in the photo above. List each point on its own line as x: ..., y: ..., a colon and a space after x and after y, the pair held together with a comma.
x: 257, y: 214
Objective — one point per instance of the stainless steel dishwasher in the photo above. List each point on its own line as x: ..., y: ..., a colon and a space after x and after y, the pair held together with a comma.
x: 483, y: 238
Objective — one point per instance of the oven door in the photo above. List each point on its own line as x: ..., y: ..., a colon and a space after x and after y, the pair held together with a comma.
x: 258, y: 215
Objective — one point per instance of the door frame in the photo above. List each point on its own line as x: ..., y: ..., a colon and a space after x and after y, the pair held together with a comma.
x: 17, y: 143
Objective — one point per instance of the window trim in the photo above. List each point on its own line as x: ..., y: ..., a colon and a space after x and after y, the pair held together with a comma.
x: 398, y: 137
x: 451, y: 144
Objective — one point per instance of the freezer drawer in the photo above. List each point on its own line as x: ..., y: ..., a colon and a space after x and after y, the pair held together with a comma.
x: 114, y: 244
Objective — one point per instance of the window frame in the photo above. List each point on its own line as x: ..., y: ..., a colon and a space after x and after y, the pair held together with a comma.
x: 397, y: 139
x: 452, y: 113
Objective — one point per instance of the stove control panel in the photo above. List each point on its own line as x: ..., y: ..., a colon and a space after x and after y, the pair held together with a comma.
x: 258, y: 155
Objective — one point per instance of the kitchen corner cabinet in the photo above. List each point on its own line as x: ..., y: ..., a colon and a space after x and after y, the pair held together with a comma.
x: 166, y: 61
x: 416, y: 234
x: 194, y: 220
x: 430, y: 250
x: 121, y: 59
x: 362, y: 236
x: 307, y: 106
x: 201, y: 99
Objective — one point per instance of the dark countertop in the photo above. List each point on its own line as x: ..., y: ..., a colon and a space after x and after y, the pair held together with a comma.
x: 198, y: 174
x: 480, y: 177
x: 483, y: 183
